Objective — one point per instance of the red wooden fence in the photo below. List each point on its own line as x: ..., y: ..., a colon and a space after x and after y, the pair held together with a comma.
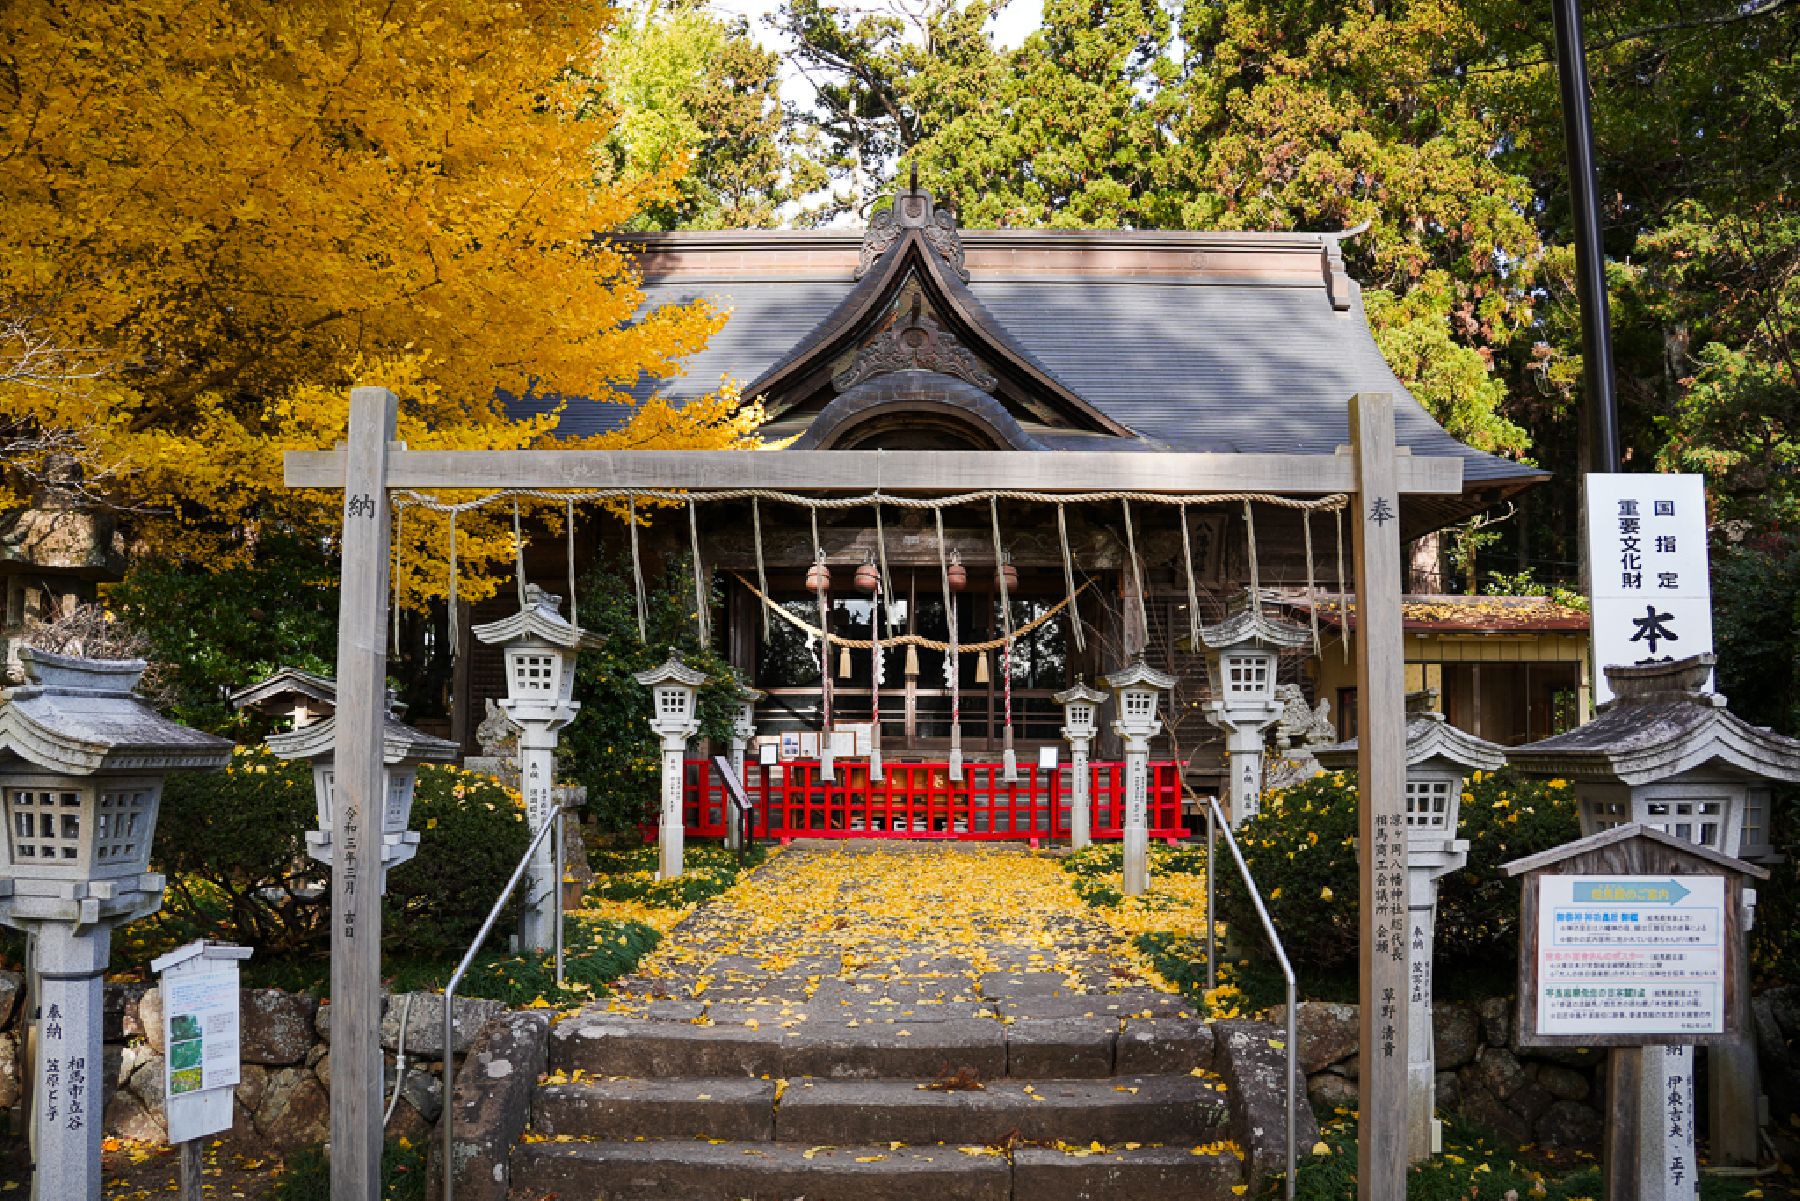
x: 919, y: 800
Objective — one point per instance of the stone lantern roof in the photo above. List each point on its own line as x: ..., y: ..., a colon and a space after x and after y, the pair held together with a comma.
x: 1139, y: 674
x: 671, y: 670
x: 400, y: 743
x: 1429, y: 735
x: 80, y: 716
x: 1080, y: 690
x: 1661, y: 722
x: 1250, y: 624
x: 542, y: 619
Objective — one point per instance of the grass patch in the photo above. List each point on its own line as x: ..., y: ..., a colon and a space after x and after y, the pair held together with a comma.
x: 307, y: 1175
x: 630, y: 875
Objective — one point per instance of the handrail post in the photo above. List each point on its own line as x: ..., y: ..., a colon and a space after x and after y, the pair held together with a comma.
x: 1216, y: 815
x: 1212, y: 950
x: 487, y: 927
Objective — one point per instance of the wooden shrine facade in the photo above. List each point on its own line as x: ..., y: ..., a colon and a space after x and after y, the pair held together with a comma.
x: 915, y: 337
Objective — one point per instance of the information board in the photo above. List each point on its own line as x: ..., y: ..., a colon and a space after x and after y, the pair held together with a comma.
x: 1647, y: 570
x: 201, y: 1012
x: 1620, y: 954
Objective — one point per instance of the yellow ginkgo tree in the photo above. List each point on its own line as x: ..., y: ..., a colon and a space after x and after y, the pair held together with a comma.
x: 222, y: 214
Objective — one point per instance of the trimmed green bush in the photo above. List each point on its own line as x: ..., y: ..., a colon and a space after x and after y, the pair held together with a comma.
x: 1301, y: 850
x: 233, y: 844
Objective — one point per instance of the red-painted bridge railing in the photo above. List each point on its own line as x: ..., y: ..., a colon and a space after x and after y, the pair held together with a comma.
x: 920, y: 800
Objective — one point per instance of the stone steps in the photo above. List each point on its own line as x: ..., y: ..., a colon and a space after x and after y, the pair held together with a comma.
x: 1181, y: 1110
x: 692, y: 1170
x: 821, y: 1041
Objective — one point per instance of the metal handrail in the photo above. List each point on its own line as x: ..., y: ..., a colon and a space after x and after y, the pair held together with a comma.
x: 1215, y: 821
x: 462, y: 968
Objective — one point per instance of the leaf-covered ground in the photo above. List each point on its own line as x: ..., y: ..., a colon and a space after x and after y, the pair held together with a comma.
x: 885, y: 919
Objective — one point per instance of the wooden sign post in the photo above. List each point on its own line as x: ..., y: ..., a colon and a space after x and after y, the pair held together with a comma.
x: 1634, y: 939
x: 356, y: 1068
x: 1381, y: 816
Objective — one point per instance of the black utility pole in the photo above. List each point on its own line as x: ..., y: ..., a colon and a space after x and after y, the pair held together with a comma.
x: 1590, y: 262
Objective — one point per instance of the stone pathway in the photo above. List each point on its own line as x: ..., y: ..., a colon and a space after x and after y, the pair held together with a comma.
x: 877, y: 931
x: 873, y: 1021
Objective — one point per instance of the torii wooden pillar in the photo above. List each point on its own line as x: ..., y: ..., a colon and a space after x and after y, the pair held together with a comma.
x: 372, y: 465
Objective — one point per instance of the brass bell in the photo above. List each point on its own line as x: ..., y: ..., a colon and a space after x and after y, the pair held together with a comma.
x: 868, y: 578
x: 818, y: 577
x: 1010, y: 575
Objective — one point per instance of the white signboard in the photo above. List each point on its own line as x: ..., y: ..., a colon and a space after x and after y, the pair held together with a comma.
x: 1647, y: 568
x: 200, y: 1012
x: 1631, y: 955
x: 1047, y: 758
x: 201, y: 1037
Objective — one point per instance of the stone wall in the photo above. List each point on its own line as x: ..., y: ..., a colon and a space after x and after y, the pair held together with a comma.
x: 1551, y: 1096
x: 283, y: 1099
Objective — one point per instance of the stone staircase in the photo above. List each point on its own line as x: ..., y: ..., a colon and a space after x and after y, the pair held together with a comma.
x: 842, y: 1091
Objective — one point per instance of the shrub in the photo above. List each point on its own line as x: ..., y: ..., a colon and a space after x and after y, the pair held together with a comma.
x: 233, y: 844
x: 472, y: 832
x: 1301, y: 850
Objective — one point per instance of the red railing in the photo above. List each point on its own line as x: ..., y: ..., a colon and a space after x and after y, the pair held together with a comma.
x: 919, y: 800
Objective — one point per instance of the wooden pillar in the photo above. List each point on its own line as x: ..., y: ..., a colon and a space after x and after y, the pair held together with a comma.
x: 1381, y: 818
x: 356, y: 1067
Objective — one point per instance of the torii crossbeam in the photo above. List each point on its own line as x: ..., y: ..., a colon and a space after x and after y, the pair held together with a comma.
x: 1375, y: 471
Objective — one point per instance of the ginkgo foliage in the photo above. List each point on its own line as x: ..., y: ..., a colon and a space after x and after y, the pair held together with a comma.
x: 229, y: 212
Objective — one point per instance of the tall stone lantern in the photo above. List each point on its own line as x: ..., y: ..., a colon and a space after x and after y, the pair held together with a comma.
x: 1439, y: 758
x: 82, y: 761
x: 1665, y: 752
x: 674, y: 687
x: 1243, y: 653
x: 1136, y: 690
x: 743, y: 729
x: 403, y: 751
x: 540, y: 647
x: 1081, y: 721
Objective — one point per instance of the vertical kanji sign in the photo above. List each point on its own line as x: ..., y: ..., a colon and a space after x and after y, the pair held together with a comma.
x: 1647, y: 565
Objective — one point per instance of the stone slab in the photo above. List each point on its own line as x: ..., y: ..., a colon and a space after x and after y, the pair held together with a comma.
x: 610, y: 1045
x: 1164, y: 1045
x: 880, y: 1050
x: 1150, y: 1109
x: 494, y: 1086
x: 1146, y: 1174
x: 1061, y: 1048
x: 699, y: 1171
x: 738, y: 1108
x: 1252, y: 1059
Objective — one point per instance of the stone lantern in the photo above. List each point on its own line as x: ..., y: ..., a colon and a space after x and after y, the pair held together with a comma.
x: 82, y: 761
x: 403, y: 751
x: 540, y: 647
x: 1081, y: 721
x: 1439, y: 758
x: 1243, y: 653
x: 1666, y: 753
x: 1136, y: 689
x: 743, y: 729
x: 674, y: 687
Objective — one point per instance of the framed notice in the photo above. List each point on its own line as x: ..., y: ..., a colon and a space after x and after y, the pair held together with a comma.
x: 1623, y: 954
x: 1632, y: 938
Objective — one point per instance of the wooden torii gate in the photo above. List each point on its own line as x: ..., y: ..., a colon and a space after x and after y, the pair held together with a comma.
x: 1374, y: 472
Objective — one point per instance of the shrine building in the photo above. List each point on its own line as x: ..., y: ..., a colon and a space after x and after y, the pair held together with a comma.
x: 917, y: 335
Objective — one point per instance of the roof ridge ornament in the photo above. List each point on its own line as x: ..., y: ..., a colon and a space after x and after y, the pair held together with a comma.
x: 913, y: 208
x: 916, y: 342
